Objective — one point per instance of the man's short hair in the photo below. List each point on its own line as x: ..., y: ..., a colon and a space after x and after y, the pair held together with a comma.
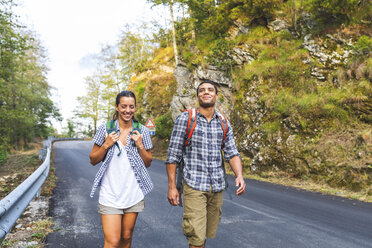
x: 206, y: 81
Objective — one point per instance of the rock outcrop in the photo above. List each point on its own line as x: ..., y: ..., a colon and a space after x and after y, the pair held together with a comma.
x: 188, y: 81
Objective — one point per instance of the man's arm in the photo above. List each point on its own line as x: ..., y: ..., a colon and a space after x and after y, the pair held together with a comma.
x: 173, y: 195
x: 174, y: 156
x: 232, y: 155
x: 236, y: 166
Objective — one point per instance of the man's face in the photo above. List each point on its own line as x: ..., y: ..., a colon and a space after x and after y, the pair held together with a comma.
x: 207, y: 96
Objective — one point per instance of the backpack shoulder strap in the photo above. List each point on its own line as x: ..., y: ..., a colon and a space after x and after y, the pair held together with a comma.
x: 191, y: 123
x: 110, y: 126
x: 137, y: 126
x: 225, y: 127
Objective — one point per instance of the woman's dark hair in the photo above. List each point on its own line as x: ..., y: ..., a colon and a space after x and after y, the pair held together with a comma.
x: 206, y: 81
x: 124, y: 93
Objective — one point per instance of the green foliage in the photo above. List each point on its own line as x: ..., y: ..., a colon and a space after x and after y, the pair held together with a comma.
x: 217, y: 19
x: 25, y: 106
x: 364, y: 44
x: 88, y: 132
x: 279, y: 62
x: 220, y: 52
x: 39, y: 235
x: 164, y: 126
x: 341, y: 10
x: 326, y: 104
x: 70, y: 129
x: 261, y: 8
x: 271, y: 127
x: 140, y: 88
x: 90, y: 104
x: 162, y: 37
x: 2, y: 156
x: 135, y: 49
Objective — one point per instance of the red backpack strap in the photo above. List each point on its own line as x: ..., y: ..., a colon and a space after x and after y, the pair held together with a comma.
x: 225, y: 128
x: 191, y: 123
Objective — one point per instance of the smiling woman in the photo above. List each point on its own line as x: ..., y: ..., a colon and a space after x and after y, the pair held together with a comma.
x: 123, y: 177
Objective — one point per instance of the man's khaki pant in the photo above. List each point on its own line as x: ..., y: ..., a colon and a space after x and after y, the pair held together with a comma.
x: 202, y: 214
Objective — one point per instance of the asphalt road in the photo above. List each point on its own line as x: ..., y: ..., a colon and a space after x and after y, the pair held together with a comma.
x: 267, y: 215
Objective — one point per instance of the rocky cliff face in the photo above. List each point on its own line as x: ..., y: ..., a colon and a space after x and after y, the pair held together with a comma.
x: 299, y: 152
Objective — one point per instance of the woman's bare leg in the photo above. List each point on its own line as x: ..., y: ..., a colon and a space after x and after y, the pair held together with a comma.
x: 129, y: 220
x: 111, y: 225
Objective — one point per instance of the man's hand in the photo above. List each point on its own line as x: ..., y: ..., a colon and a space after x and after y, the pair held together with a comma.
x: 173, y: 196
x: 239, y: 182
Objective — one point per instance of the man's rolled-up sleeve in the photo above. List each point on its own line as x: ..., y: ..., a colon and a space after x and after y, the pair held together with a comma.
x: 230, y: 150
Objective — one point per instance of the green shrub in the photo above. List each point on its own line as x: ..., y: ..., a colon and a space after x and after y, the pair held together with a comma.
x: 140, y: 87
x: 164, y: 126
x: 271, y: 127
x: 341, y: 11
x: 39, y: 235
x: 220, y: 53
x: 364, y: 44
x: 2, y: 156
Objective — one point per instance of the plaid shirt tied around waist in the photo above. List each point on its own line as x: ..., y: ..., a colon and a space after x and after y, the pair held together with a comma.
x: 135, y: 160
x: 202, y: 157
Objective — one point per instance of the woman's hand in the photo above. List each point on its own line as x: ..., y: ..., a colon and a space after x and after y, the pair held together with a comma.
x: 111, y: 139
x: 137, y: 138
x: 145, y: 154
x: 99, y: 152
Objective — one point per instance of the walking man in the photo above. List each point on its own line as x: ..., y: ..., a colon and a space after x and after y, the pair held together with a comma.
x: 203, y: 174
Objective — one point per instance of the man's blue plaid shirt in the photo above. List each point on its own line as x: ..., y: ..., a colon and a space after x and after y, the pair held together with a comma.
x: 203, y: 156
x: 135, y: 160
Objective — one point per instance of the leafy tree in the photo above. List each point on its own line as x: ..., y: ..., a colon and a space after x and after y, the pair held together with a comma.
x: 88, y: 132
x: 89, y: 104
x: 117, y: 64
x: 25, y: 105
x: 70, y: 129
x: 134, y: 50
x: 170, y: 3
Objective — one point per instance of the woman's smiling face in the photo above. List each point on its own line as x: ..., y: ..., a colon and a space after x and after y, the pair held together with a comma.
x: 126, y: 108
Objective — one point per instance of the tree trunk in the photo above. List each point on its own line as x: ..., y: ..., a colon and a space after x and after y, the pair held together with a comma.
x: 95, y: 120
x: 192, y: 26
x: 166, y: 27
x: 173, y: 32
x: 294, y: 15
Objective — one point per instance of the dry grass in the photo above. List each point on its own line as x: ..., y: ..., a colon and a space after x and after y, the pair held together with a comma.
x: 160, y: 148
x: 286, y: 179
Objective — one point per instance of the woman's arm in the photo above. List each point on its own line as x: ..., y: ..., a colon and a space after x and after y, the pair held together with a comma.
x: 145, y: 155
x: 99, y: 152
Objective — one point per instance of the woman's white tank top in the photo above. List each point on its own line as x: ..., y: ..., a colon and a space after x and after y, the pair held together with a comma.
x: 119, y: 187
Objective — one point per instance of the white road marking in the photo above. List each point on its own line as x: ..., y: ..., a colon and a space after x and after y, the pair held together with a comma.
x: 251, y: 209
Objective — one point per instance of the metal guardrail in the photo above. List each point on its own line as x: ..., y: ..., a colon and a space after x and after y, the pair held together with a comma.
x: 13, y: 205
